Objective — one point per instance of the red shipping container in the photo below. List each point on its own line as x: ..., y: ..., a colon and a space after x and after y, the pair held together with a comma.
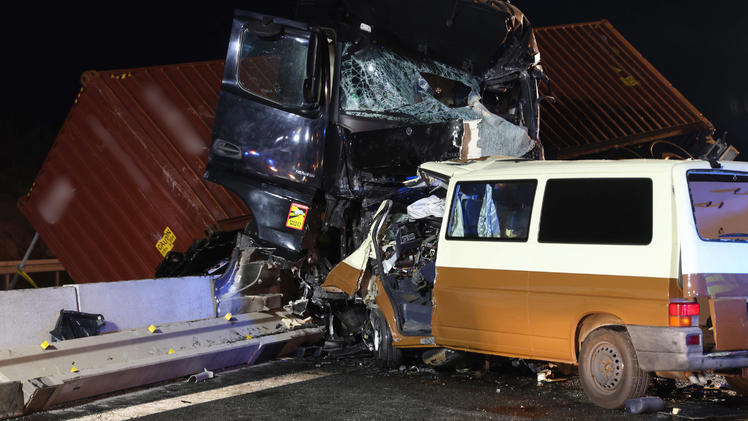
x: 607, y: 94
x: 123, y: 182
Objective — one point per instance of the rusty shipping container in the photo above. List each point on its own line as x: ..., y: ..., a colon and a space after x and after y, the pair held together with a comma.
x: 123, y: 181
x: 608, y: 96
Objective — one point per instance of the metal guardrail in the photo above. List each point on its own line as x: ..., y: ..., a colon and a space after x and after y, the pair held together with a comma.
x: 75, y: 369
x: 9, y: 267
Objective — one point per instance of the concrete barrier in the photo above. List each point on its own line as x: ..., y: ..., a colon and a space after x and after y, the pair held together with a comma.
x: 27, y: 315
x: 132, y: 304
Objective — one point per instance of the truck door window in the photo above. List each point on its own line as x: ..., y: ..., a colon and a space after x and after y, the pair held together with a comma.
x: 274, y: 68
x: 597, y: 211
x: 495, y: 210
x: 720, y: 204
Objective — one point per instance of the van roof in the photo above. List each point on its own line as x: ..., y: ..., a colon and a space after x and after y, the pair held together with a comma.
x: 500, y: 165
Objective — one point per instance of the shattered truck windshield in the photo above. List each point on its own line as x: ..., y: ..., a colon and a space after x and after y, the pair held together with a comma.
x: 377, y: 82
x: 720, y: 204
x: 381, y: 83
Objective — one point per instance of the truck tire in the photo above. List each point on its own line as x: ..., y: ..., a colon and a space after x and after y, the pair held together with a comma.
x: 609, y: 370
x: 384, y: 350
x: 738, y: 384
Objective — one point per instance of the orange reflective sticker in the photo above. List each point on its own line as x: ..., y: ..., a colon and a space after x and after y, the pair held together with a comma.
x: 297, y: 216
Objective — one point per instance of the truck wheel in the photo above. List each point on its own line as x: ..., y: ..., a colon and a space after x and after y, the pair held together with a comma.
x: 609, y: 370
x: 384, y: 350
x: 738, y: 384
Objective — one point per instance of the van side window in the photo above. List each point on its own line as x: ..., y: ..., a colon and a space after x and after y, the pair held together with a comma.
x: 597, y: 211
x: 495, y: 210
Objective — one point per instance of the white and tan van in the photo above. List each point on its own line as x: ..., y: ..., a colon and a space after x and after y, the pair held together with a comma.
x: 625, y: 268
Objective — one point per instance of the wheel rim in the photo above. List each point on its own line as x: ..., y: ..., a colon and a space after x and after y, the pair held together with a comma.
x: 606, y: 366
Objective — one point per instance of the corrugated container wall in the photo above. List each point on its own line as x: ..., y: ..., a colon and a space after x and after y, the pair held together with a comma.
x: 607, y: 95
x: 128, y: 163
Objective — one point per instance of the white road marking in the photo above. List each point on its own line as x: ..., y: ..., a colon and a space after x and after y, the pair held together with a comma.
x: 202, y: 397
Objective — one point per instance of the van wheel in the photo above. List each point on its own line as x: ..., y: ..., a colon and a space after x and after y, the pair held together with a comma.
x: 384, y: 350
x: 738, y: 384
x: 609, y: 370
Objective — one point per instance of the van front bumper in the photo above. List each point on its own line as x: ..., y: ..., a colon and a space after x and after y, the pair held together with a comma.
x: 660, y: 348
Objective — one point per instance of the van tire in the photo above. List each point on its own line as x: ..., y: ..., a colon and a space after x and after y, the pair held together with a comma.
x: 609, y: 370
x: 384, y: 350
x: 738, y: 384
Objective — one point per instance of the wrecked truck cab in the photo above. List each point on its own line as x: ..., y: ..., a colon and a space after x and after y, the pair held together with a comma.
x: 268, y: 135
x: 626, y: 268
x: 335, y: 115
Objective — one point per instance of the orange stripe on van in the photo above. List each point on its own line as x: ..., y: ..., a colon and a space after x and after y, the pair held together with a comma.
x: 537, y: 313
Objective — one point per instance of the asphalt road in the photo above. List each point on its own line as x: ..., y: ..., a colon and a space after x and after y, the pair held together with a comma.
x: 358, y: 389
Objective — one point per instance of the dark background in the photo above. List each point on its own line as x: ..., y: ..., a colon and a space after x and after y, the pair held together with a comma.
x: 701, y: 47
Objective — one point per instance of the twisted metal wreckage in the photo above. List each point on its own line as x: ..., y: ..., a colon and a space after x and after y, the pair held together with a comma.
x: 316, y: 145
x: 314, y: 149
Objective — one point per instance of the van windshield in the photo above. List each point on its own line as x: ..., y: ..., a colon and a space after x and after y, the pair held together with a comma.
x: 720, y: 204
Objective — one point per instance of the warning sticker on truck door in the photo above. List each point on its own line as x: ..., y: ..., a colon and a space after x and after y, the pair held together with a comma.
x: 297, y: 216
x: 166, y: 243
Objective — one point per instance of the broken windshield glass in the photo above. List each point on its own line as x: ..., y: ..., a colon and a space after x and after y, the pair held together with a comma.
x: 378, y: 82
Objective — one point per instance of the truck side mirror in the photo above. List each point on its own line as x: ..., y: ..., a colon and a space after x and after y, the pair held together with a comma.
x: 313, y: 71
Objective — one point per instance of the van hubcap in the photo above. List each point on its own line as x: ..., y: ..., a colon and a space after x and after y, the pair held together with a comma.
x: 606, y: 366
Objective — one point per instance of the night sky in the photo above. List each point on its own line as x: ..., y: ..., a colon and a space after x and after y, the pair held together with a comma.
x: 701, y: 47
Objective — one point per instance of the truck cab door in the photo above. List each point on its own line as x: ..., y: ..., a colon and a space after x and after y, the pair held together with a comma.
x: 268, y: 134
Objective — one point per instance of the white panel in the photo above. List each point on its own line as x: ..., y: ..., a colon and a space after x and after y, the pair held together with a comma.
x: 131, y: 304
x: 653, y: 260
x: 28, y: 315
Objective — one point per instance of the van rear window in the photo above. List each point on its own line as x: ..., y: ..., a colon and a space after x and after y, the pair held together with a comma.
x: 495, y: 210
x: 597, y: 211
x: 720, y: 204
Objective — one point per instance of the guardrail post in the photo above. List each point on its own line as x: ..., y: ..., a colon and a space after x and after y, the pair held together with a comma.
x: 25, y: 258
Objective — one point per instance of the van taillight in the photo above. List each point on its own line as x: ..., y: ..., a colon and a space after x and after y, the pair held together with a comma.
x: 684, y: 314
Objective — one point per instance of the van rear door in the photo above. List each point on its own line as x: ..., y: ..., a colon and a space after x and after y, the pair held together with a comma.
x: 713, y: 233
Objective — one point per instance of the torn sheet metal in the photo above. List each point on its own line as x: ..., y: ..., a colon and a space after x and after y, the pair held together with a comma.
x: 346, y: 276
x: 250, y: 281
